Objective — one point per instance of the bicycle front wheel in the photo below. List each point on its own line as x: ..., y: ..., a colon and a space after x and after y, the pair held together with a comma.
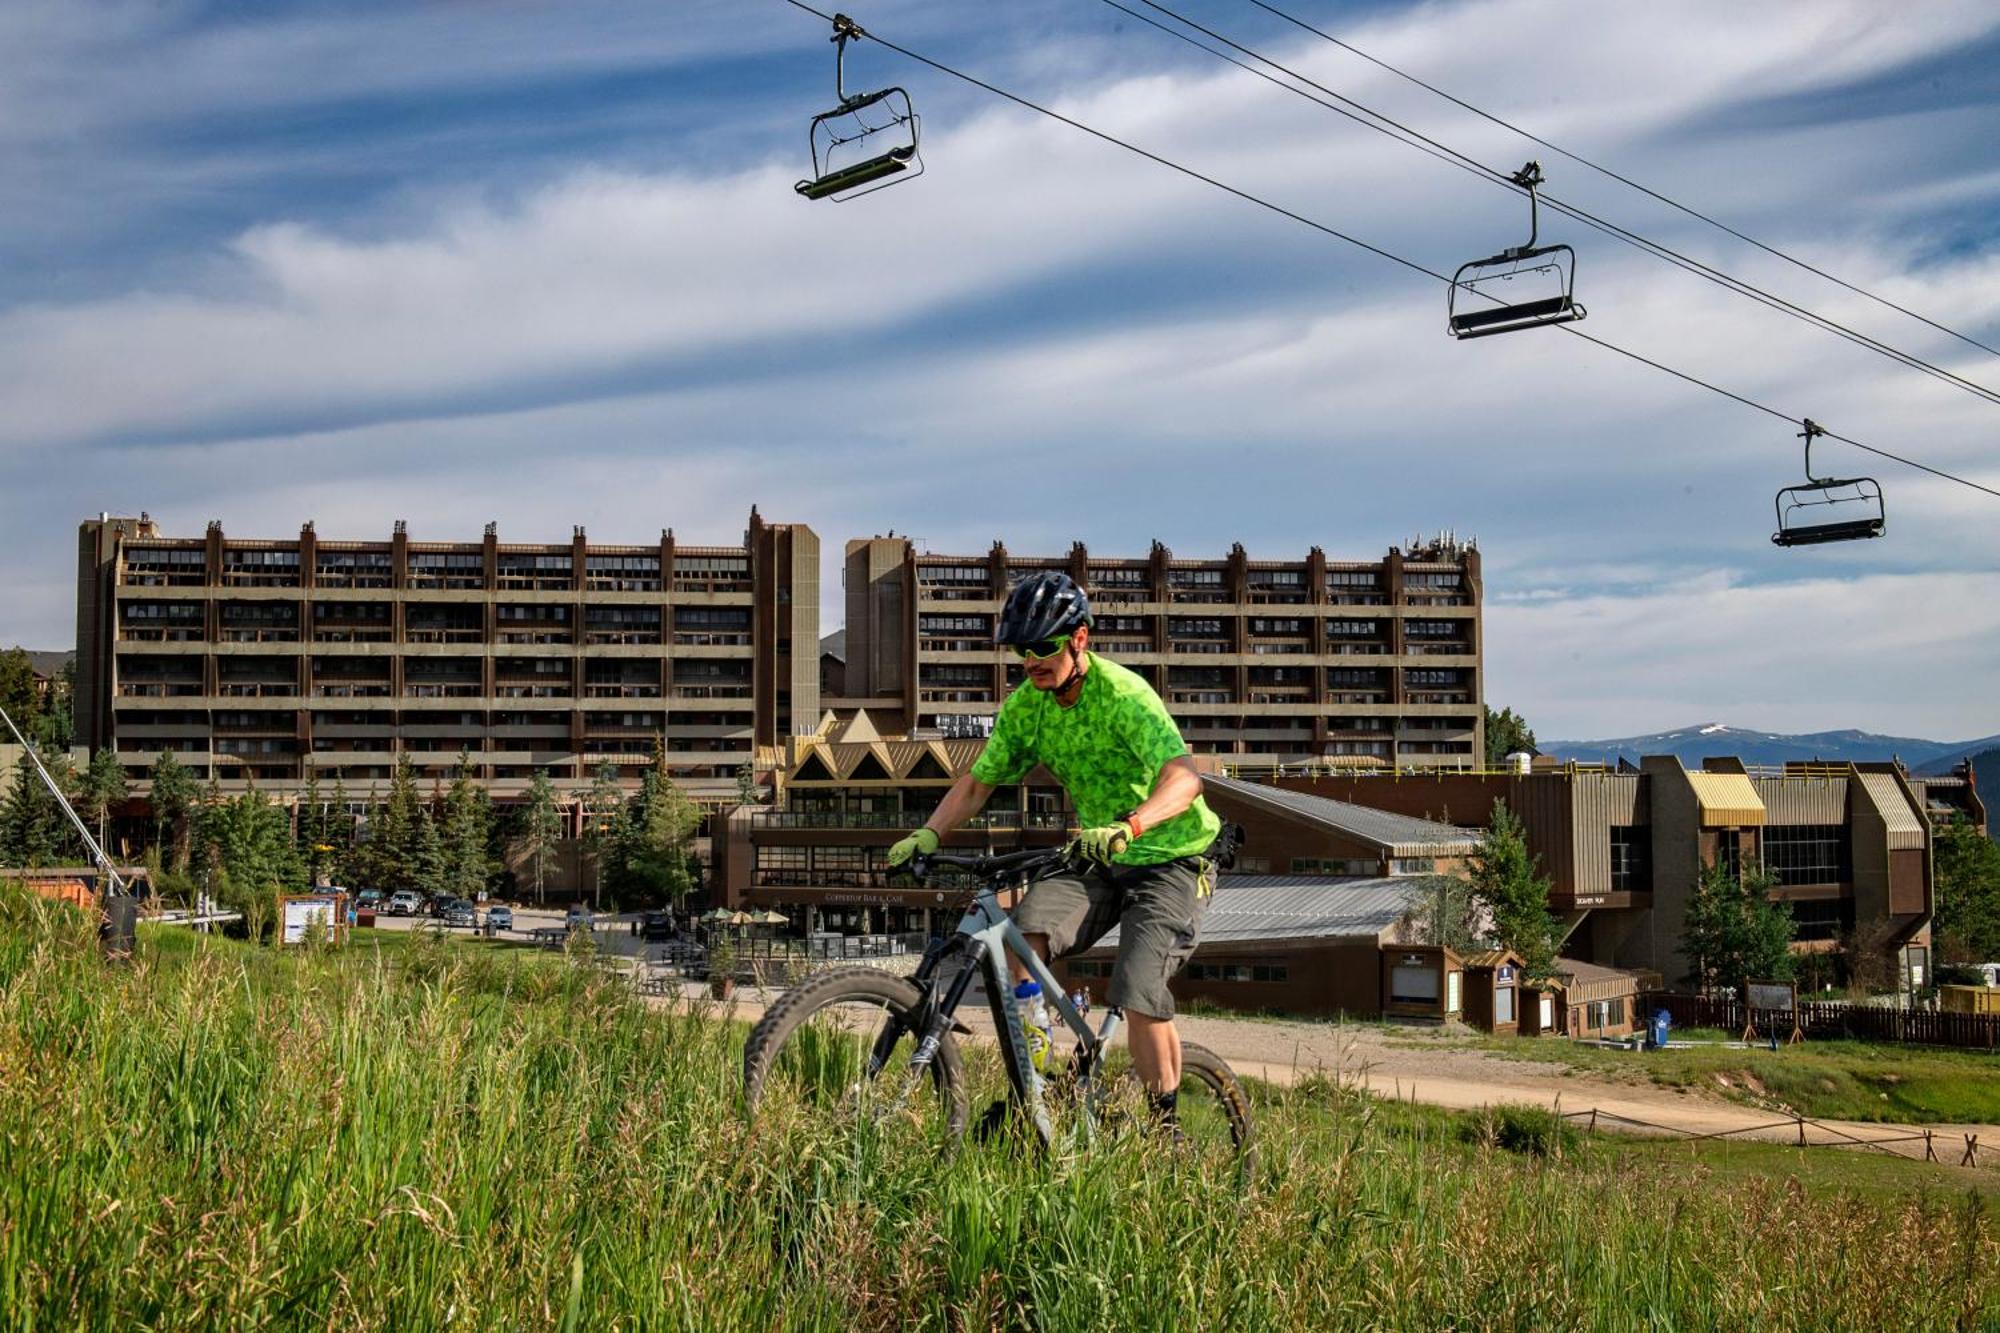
x: 840, y: 1046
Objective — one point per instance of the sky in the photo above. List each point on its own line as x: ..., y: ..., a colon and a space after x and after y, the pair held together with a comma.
x: 541, y: 263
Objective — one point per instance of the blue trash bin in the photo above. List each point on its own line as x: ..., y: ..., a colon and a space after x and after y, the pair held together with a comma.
x: 1662, y: 1023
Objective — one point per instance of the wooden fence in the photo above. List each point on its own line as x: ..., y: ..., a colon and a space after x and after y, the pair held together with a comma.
x: 1820, y: 1018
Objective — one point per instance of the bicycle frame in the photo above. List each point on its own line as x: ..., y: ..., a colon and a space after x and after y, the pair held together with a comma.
x: 985, y: 936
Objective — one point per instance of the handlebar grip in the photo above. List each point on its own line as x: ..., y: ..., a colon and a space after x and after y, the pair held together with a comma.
x: 1119, y: 844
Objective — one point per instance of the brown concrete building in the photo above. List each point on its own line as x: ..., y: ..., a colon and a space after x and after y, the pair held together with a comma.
x: 1374, y: 664
x: 1849, y: 844
x: 250, y: 658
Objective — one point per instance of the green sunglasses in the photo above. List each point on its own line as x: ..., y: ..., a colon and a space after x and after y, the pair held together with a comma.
x: 1038, y: 651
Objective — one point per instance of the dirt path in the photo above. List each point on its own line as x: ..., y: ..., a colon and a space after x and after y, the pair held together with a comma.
x: 1422, y: 1067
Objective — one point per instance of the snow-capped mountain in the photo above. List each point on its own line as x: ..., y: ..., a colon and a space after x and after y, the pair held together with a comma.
x: 1695, y: 743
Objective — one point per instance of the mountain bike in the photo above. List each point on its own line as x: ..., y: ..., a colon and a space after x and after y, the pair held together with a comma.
x: 864, y: 1045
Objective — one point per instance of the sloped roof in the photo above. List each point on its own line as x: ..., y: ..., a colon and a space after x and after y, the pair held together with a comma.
x: 1904, y: 824
x: 860, y: 730
x: 1300, y: 907
x: 834, y: 644
x: 1727, y: 800
x: 1396, y: 835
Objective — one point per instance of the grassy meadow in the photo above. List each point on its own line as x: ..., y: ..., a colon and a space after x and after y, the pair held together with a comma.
x: 1835, y: 1080
x: 445, y: 1136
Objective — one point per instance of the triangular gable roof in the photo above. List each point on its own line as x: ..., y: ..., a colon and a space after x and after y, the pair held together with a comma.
x: 813, y: 768
x: 871, y: 764
x: 860, y: 730
x: 929, y: 765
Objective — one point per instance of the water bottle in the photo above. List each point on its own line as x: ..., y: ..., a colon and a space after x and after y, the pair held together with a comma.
x: 1034, y: 1022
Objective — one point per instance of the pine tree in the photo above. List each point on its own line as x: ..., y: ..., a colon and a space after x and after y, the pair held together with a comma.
x: 427, y: 858
x: 173, y: 798
x: 33, y: 831
x: 1967, y: 924
x: 1507, y: 732
x: 312, y: 833
x: 1505, y: 882
x: 747, y: 792
x: 1733, y: 932
x: 1443, y: 912
x: 466, y: 816
x: 541, y: 826
x: 604, y: 831
x: 662, y: 827
x: 18, y: 696
x: 100, y: 787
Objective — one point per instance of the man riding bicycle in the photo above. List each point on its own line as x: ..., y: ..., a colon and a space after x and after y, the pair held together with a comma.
x: 1107, y: 737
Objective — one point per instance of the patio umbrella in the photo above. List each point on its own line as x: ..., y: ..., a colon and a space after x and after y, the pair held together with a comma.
x: 768, y: 918
x: 718, y: 915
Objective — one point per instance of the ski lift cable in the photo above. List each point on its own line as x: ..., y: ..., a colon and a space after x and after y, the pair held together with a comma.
x: 1376, y: 250
x: 1624, y: 180
x: 1394, y: 129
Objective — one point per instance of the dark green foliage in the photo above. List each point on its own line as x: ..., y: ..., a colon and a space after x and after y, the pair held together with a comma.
x: 466, y: 833
x: 244, y: 855
x: 661, y: 824
x: 1528, y: 1130
x: 540, y: 828
x: 98, y: 788
x: 18, y: 695
x: 33, y: 829
x: 1967, y: 923
x: 1733, y: 932
x: 173, y: 799
x: 1505, y: 881
x: 1507, y: 733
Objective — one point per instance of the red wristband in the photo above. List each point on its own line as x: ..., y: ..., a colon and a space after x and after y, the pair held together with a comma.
x: 1132, y: 822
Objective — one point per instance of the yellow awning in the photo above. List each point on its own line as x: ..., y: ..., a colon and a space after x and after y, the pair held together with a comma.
x: 1728, y: 800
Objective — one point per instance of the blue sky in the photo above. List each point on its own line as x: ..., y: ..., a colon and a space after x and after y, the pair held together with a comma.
x: 541, y: 263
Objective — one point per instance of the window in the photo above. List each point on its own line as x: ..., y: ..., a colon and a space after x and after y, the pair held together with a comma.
x: 1353, y: 629
x: 1320, y: 865
x: 1431, y: 629
x: 954, y: 625
x: 1265, y: 972
x: 1807, y: 853
x: 1603, y: 1015
x: 1631, y: 859
x: 1503, y: 1004
x: 1414, y: 982
x: 1434, y: 582
x: 1419, y: 677
x: 780, y: 862
x: 1415, y: 865
x: 1261, y: 625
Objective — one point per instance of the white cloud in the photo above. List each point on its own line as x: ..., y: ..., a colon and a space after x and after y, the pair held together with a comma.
x: 693, y: 343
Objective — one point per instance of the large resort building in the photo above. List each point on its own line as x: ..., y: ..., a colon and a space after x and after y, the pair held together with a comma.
x: 253, y: 659
x: 1358, y: 664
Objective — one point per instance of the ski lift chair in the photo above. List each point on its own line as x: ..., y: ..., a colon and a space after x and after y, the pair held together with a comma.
x: 868, y: 141
x: 1827, y: 509
x: 1484, y: 300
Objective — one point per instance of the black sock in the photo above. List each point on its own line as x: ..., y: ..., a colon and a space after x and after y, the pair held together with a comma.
x: 1166, y: 1107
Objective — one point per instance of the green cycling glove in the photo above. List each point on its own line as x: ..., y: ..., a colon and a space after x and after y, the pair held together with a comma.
x: 921, y: 843
x: 1101, y: 844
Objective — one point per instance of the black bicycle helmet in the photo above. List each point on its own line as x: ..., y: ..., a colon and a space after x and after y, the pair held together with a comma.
x: 1041, y: 606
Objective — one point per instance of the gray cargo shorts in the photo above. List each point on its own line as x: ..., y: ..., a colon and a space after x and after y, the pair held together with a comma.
x: 1157, y: 910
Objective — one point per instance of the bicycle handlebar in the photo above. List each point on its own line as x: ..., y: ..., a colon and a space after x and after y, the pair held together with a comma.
x: 989, y: 866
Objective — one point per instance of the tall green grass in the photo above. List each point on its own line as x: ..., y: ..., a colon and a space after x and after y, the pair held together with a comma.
x: 217, y: 1136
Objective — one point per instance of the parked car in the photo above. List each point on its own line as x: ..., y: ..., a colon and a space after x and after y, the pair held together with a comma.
x: 654, y: 926
x: 441, y: 904
x: 458, y: 912
x: 405, y: 902
x: 578, y: 918
x: 369, y: 898
x: 500, y: 918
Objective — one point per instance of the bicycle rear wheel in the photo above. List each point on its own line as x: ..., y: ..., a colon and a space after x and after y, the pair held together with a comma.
x: 815, y: 1053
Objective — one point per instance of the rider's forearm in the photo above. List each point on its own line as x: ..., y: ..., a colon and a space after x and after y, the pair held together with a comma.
x: 967, y: 797
x: 1177, y: 788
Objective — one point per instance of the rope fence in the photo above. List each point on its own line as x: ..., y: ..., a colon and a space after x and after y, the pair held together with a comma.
x: 1837, y: 1136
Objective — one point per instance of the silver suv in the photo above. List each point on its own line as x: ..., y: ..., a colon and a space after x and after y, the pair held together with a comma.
x: 405, y: 902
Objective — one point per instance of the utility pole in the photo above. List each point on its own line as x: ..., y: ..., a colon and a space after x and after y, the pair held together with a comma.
x: 120, y: 909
